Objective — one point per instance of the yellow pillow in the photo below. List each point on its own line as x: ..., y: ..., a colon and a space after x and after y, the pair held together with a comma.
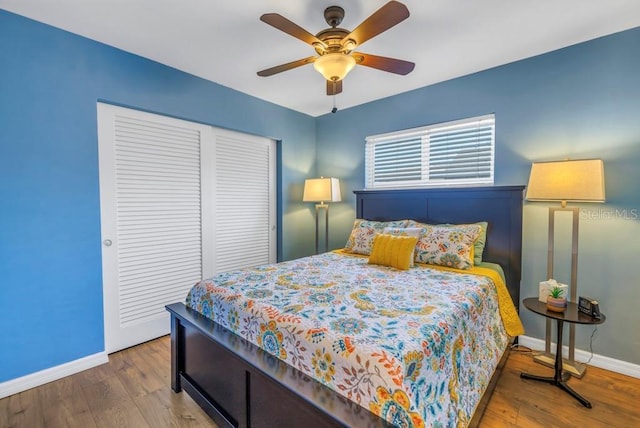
x: 393, y: 251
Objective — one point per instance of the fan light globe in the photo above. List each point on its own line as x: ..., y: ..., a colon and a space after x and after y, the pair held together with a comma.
x: 334, y: 66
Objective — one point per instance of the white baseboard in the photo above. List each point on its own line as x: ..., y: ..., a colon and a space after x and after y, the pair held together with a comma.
x: 32, y: 380
x: 581, y: 356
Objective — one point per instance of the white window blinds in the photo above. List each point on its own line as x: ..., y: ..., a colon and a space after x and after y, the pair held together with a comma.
x: 446, y: 154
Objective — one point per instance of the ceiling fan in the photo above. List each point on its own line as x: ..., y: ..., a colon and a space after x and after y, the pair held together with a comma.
x: 335, y: 46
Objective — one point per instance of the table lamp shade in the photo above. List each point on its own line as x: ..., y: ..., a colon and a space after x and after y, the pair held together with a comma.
x: 321, y: 190
x: 568, y: 180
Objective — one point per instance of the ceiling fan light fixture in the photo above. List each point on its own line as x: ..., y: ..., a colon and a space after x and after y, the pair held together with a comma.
x: 334, y: 66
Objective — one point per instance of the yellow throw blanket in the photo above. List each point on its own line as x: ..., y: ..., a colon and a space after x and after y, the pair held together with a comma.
x: 510, y: 317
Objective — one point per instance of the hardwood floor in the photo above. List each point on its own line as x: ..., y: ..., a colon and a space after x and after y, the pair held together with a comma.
x: 133, y: 390
x: 524, y: 403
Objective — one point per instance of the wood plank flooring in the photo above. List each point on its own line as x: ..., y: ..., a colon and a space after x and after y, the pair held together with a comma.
x: 524, y: 403
x: 133, y: 390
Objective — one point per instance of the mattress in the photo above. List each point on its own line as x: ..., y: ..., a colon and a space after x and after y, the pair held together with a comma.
x: 415, y: 347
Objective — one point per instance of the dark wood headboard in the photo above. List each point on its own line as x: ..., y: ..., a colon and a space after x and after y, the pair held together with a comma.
x: 500, y: 206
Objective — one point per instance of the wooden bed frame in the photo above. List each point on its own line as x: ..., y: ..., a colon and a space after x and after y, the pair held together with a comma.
x: 239, y: 385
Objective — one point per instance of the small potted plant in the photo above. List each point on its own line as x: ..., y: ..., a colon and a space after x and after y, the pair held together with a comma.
x: 555, y: 301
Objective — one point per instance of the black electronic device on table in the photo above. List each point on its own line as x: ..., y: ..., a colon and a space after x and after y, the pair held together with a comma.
x: 589, y: 306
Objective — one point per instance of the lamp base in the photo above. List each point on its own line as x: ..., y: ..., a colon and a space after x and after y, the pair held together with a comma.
x: 574, y: 368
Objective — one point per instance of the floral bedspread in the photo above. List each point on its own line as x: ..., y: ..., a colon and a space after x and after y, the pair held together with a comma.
x: 415, y: 347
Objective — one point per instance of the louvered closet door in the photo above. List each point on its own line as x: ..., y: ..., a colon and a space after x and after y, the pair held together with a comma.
x: 244, y: 201
x: 151, y: 182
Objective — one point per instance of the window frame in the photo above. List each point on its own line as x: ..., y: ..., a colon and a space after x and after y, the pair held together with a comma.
x: 409, y: 137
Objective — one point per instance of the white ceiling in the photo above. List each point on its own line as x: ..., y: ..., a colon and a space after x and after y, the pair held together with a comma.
x: 225, y: 42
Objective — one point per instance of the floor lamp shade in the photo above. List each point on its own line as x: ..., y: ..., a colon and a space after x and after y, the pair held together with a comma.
x: 568, y: 180
x: 321, y: 190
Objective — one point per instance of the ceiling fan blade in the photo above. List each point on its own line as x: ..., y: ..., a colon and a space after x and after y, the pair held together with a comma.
x: 384, y: 18
x: 384, y: 63
x: 284, y: 67
x: 283, y: 24
x: 334, y: 87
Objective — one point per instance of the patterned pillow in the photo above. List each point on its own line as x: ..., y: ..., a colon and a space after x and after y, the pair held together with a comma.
x: 404, y: 231
x: 450, y: 246
x: 361, y: 238
x: 393, y: 251
x: 478, y: 244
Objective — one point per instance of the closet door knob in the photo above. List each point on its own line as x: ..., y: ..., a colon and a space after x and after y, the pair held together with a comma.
x: 107, y: 242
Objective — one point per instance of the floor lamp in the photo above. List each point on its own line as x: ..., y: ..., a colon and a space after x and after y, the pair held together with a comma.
x: 322, y: 190
x: 575, y: 181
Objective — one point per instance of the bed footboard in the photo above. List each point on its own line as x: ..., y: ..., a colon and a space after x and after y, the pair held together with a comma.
x: 239, y: 385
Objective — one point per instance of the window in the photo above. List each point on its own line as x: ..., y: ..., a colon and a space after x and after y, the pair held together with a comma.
x: 445, y: 154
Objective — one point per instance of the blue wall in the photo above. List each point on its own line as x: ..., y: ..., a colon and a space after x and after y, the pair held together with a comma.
x: 50, y: 253
x: 578, y: 102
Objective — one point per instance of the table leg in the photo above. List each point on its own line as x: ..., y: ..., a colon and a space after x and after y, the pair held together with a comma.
x: 558, y: 379
x: 558, y: 365
x: 580, y: 398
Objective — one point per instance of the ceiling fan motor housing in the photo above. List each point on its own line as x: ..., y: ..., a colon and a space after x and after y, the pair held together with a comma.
x: 332, y: 38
